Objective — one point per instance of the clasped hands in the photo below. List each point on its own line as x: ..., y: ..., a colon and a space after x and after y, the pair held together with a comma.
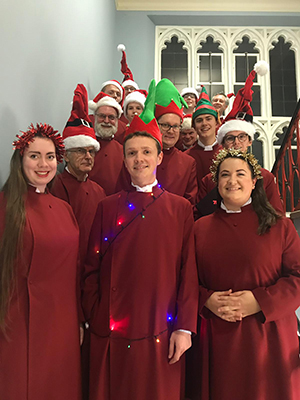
x: 233, y: 306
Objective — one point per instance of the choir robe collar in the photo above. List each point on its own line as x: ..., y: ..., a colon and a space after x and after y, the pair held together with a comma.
x: 235, y: 212
x: 145, y: 189
x: 85, y: 178
x: 206, y: 148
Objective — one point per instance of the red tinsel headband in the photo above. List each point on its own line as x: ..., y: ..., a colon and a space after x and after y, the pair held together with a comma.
x: 43, y: 130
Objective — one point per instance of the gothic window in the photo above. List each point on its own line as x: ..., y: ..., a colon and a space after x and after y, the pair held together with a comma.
x: 245, y: 56
x: 283, y: 79
x: 210, y: 63
x: 174, y: 64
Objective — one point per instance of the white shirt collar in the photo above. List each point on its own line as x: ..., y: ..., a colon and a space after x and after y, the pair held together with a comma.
x: 206, y: 148
x: 145, y: 189
x: 67, y: 169
x: 235, y: 212
x: 37, y: 190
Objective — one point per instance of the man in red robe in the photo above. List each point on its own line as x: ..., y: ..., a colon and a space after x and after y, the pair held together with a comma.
x: 140, y: 290
x: 205, y: 122
x: 74, y: 185
x: 177, y: 172
x: 109, y: 159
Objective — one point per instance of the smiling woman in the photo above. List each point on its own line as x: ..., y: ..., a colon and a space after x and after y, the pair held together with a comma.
x: 39, y: 163
x: 249, y: 290
x: 39, y: 326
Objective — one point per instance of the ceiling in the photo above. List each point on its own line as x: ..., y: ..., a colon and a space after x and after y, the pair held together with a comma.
x: 214, y: 6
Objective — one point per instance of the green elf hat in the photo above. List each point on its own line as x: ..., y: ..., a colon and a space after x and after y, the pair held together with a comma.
x: 204, y: 106
x: 146, y: 122
x: 168, y: 99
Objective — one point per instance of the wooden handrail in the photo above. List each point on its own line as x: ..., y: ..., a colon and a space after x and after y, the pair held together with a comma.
x: 286, y: 168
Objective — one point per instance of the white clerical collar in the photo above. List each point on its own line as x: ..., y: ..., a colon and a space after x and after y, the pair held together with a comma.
x: 145, y: 189
x: 67, y: 169
x: 206, y: 148
x: 37, y: 190
x: 235, y: 212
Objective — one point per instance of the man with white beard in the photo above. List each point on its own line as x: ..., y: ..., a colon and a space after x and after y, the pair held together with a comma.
x: 109, y: 159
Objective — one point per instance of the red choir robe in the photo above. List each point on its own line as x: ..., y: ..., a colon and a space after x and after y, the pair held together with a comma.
x: 141, y: 284
x: 258, y: 357
x: 207, y: 185
x: 84, y: 198
x: 177, y: 174
x: 41, y: 357
x: 124, y: 119
x: 108, y: 166
x: 203, y: 158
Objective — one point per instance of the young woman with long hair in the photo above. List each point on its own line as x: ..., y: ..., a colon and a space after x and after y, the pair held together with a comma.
x: 39, y: 325
x: 249, y: 269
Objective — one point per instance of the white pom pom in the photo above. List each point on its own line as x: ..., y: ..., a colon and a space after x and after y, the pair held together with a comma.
x: 199, y: 88
x: 121, y: 47
x: 261, y: 68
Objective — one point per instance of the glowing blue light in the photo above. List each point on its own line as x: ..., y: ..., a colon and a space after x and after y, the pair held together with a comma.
x: 131, y: 206
x: 106, y: 239
x: 169, y: 317
x: 159, y: 185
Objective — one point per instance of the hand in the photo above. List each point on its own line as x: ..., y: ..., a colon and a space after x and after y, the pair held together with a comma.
x: 179, y: 343
x: 248, y: 303
x: 81, y: 334
x: 223, y: 306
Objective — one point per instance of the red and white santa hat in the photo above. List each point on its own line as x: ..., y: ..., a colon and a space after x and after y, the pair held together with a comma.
x: 103, y: 99
x: 188, y: 90
x: 79, y: 131
x: 137, y: 96
x: 187, y: 122
x: 115, y: 83
x: 128, y: 76
x: 240, y: 117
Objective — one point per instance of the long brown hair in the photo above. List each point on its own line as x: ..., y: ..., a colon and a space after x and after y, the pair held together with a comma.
x: 14, y: 190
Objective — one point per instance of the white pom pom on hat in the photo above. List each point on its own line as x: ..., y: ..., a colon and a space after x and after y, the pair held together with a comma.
x: 121, y: 47
x: 261, y: 68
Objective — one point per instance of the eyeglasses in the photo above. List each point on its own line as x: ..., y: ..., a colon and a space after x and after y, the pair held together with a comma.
x: 83, y: 152
x: 167, y: 127
x: 104, y: 116
x: 242, y: 137
x: 189, y: 95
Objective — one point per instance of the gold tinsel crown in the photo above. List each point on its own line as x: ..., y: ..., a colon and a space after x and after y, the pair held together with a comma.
x: 227, y: 153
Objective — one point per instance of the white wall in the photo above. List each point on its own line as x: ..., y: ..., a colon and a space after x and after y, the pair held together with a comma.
x: 47, y: 47
x: 137, y: 32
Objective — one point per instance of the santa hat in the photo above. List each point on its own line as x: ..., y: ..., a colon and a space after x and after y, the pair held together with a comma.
x: 79, y: 131
x: 146, y: 122
x: 134, y: 97
x: 189, y: 90
x: 128, y: 77
x: 115, y: 83
x: 103, y: 99
x: 241, y: 115
x: 204, y: 105
x: 187, y: 122
x: 168, y: 99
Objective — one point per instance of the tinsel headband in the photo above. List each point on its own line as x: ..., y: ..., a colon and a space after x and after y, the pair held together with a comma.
x: 43, y: 130
x: 231, y: 153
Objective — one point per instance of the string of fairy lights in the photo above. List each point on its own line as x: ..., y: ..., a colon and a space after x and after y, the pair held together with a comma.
x: 110, y: 241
